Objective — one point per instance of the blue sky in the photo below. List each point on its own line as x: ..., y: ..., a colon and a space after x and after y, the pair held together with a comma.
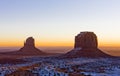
x: 51, y: 21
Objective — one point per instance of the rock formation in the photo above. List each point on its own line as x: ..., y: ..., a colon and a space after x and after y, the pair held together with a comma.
x: 86, y: 45
x: 29, y: 48
x: 30, y: 42
x: 86, y: 40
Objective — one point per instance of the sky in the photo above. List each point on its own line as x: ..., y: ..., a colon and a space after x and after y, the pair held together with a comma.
x: 57, y: 22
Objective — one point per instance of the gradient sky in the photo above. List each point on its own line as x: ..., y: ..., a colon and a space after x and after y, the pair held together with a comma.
x: 56, y: 22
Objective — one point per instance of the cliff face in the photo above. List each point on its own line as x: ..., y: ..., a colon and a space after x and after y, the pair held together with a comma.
x: 86, y: 45
x: 29, y: 45
x: 30, y: 42
x: 29, y: 48
x: 86, y: 40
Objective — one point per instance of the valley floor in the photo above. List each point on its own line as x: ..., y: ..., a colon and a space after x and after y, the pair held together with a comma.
x: 52, y: 66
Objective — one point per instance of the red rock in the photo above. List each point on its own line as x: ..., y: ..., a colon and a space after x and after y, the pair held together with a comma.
x: 29, y: 48
x: 30, y: 42
x: 86, y: 45
x: 86, y: 40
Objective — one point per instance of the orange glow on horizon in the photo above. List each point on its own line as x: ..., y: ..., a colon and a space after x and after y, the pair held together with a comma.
x: 60, y: 42
x: 47, y: 44
x: 19, y: 44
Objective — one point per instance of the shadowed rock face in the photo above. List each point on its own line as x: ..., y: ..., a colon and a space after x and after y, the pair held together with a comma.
x: 29, y: 48
x: 29, y: 45
x: 86, y: 40
x: 86, y: 45
x: 30, y: 42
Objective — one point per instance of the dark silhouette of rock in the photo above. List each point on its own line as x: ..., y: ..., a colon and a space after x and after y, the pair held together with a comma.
x: 29, y: 48
x: 86, y: 40
x: 86, y: 45
x: 30, y: 42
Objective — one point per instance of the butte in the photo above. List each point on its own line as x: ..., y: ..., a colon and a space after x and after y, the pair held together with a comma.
x: 86, y: 45
x: 28, y: 49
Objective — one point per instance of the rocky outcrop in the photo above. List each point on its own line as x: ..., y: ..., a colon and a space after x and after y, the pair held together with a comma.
x: 86, y: 40
x: 30, y: 42
x: 29, y: 48
x: 86, y: 45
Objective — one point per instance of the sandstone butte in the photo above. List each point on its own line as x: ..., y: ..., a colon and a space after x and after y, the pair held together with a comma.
x: 86, y: 45
x: 28, y: 49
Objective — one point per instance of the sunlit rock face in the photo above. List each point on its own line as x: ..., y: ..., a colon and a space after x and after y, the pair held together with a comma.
x: 86, y: 40
x: 86, y: 45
